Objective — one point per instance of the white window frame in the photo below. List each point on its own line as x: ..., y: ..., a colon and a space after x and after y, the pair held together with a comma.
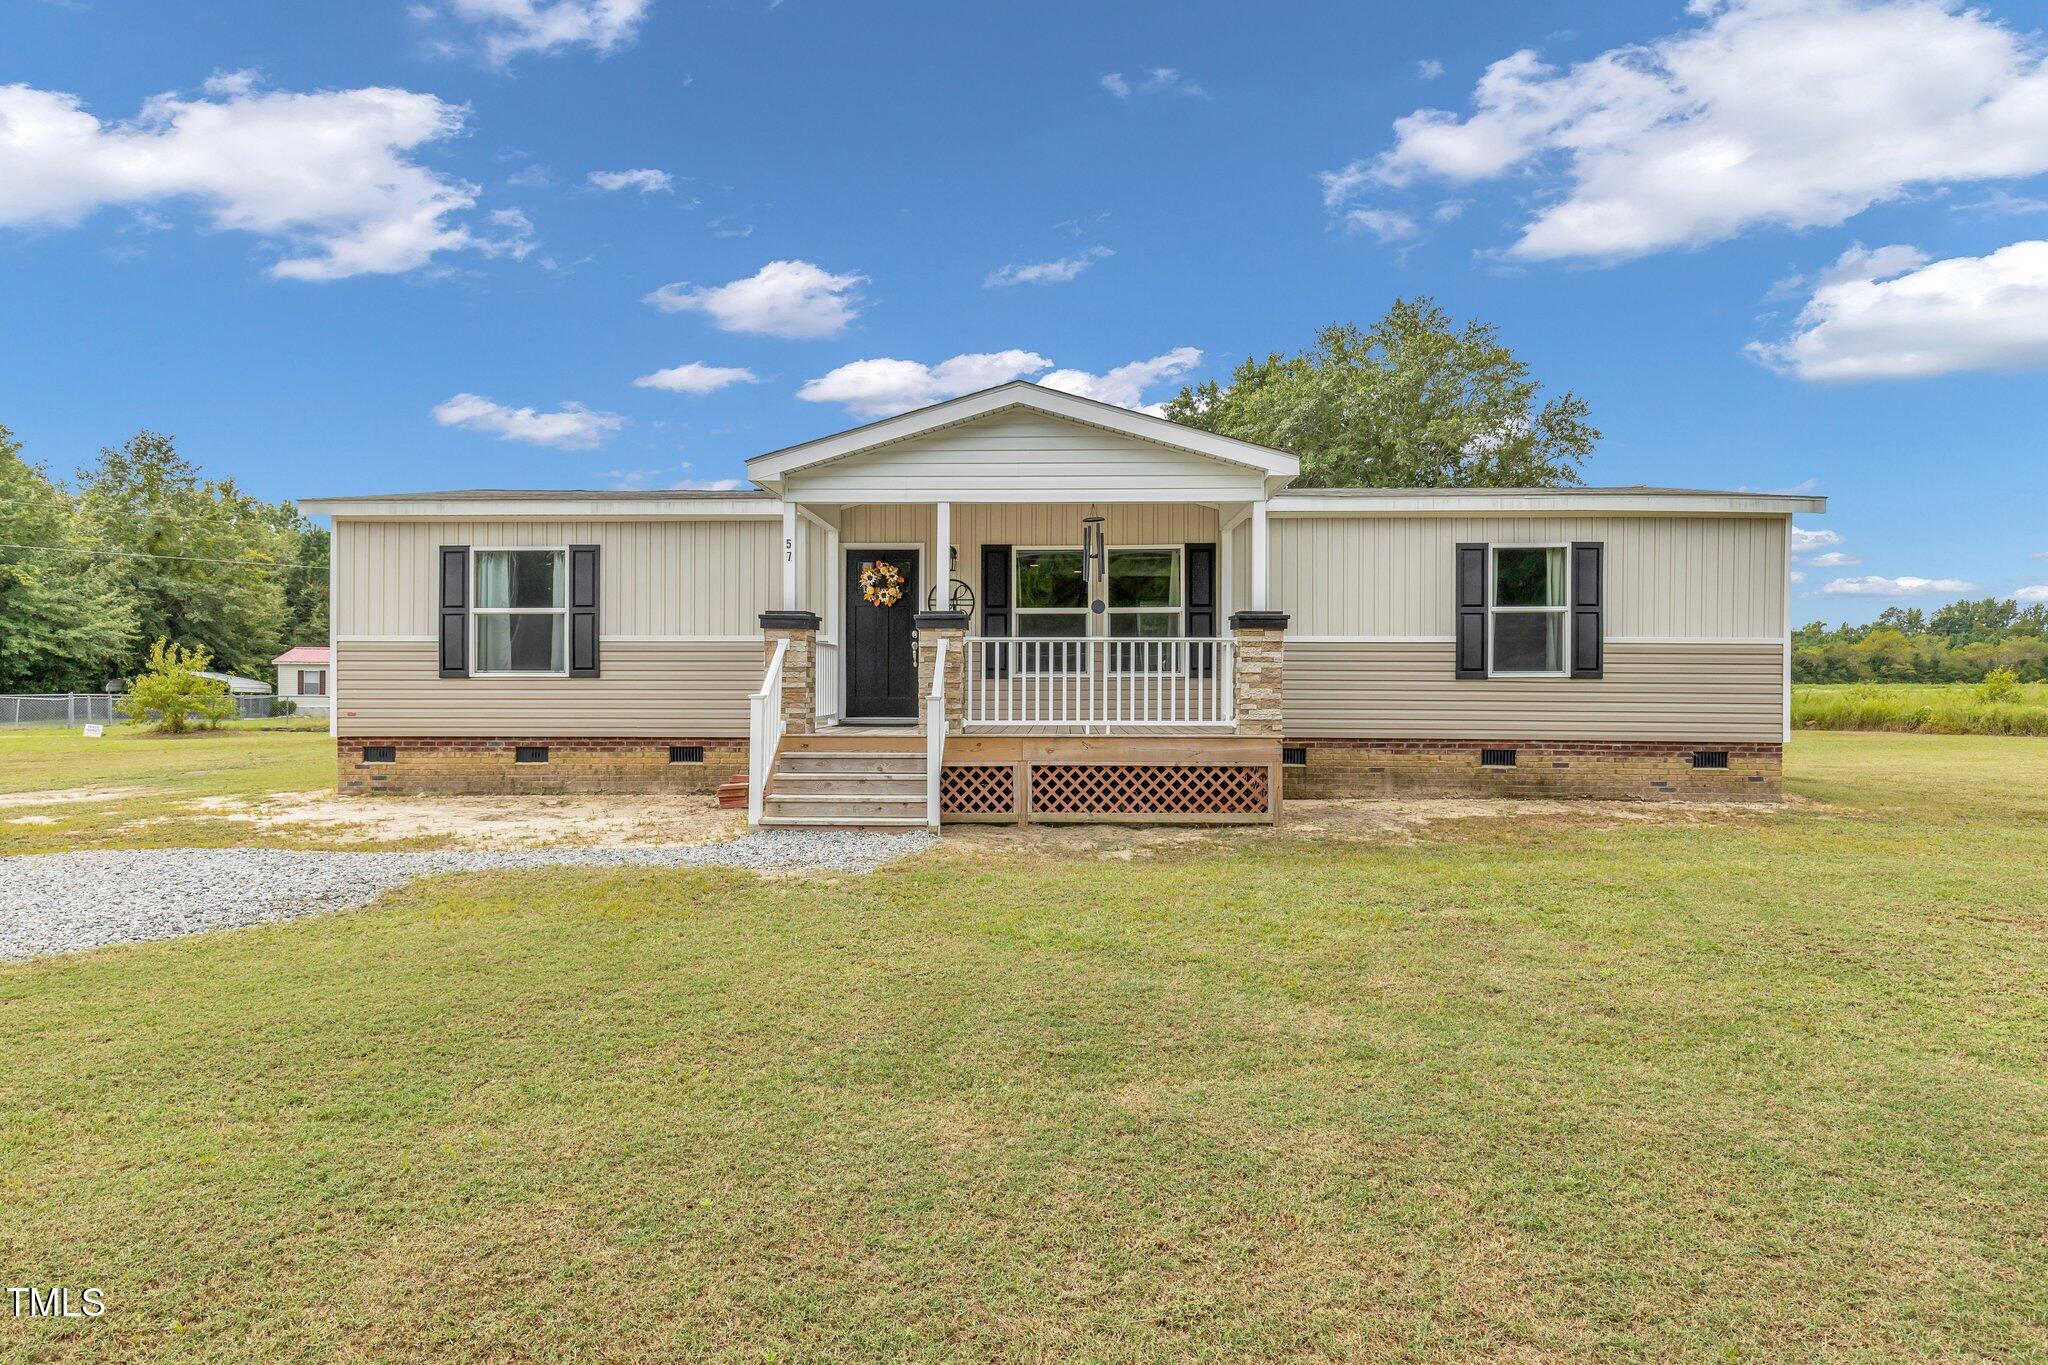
x: 1563, y: 610
x: 476, y: 613
x: 319, y: 675
x: 1166, y: 646
x: 1018, y: 612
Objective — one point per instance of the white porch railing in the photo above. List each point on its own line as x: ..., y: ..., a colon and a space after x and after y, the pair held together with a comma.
x: 764, y: 731
x: 1100, y: 684
x: 935, y: 733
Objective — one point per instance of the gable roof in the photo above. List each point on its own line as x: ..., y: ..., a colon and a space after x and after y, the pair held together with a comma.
x: 769, y: 470
x: 305, y: 654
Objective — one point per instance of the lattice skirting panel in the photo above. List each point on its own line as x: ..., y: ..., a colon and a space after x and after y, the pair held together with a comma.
x: 978, y: 789
x: 1217, y: 791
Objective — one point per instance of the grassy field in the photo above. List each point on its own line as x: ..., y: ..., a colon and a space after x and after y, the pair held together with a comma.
x: 154, y: 779
x: 1740, y: 1087
x: 1921, y: 708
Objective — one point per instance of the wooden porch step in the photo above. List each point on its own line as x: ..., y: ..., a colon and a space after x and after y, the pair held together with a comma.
x: 893, y: 764
x: 847, y: 809
x: 906, y: 785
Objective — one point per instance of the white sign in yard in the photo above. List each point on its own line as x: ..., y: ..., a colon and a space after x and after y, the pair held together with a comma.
x: 95, y: 731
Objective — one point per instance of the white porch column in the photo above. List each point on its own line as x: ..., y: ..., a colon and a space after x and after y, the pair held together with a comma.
x: 1259, y: 556
x: 942, y: 561
x: 789, y: 579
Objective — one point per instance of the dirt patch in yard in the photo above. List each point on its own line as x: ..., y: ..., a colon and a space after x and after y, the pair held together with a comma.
x: 73, y: 796
x: 1350, y: 822
x: 486, y: 822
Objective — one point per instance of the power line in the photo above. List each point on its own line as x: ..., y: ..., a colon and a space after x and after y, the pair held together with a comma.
x: 138, y: 554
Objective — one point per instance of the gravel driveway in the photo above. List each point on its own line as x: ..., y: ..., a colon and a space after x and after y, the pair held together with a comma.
x: 64, y: 902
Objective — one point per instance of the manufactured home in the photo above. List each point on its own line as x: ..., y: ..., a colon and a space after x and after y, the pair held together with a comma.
x: 1022, y: 605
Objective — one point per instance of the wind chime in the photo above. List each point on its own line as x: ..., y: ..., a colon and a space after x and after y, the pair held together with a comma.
x: 1094, y: 560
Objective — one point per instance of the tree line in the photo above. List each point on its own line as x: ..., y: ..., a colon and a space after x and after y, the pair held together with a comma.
x: 138, y: 548
x: 1961, y: 642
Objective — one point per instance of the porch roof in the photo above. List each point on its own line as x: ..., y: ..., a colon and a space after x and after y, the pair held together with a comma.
x: 1274, y: 467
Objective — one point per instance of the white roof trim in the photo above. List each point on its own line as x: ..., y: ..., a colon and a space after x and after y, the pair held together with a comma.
x: 1022, y: 394
x: 1539, y: 502
x: 569, y: 507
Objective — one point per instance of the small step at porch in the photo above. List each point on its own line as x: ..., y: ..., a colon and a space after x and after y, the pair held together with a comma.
x: 870, y: 781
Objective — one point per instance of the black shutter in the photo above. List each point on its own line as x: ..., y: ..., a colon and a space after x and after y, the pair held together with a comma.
x: 454, y: 608
x: 1588, y: 558
x: 582, y: 611
x: 1198, y: 591
x: 1472, y: 597
x: 995, y: 607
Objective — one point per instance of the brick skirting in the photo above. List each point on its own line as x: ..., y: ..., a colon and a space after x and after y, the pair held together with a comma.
x: 458, y: 766
x: 1631, y: 770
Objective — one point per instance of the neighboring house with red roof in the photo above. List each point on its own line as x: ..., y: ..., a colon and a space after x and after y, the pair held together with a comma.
x: 303, y: 674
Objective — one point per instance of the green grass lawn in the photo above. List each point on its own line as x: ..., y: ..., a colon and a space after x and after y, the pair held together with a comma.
x: 1922, y: 708
x: 157, y: 775
x: 1736, y: 1087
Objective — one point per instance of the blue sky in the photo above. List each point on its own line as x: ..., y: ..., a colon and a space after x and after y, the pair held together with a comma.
x: 350, y: 248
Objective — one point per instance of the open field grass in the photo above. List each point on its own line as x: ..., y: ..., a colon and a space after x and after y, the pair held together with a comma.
x: 1742, y: 1087
x: 133, y: 789
x: 1920, y: 708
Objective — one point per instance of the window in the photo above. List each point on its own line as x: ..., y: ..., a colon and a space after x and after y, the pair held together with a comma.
x: 530, y: 753
x: 1144, y: 594
x: 521, y: 611
x: 312, y: 682
x: 1528, y: 609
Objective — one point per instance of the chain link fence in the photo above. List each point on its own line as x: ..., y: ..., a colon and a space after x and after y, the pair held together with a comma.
x: 82, y: 708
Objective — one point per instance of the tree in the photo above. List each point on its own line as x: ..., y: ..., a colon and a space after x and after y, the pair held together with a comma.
x: 201, y: 561
x: 63, y: 626
x: 171, y: 695
x: 1411, y: 402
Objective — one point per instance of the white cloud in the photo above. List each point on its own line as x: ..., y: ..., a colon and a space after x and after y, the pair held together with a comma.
x: 1428, y: 69
x: 229, y: 83
x: 529, y: 178
x: 571, y: 427
x: 1126, y: 384
x: 1835, y: 559
x: 1799, y: 113
x: 1046, y: 272
x: 1385, y: 225
x: 882, y: 388
x: 645, y: 181
x: 1798, y: 577
x: 792, y: 299
x: 513, y: 28
x: 696, y: 377
x: 325, y: 177
x: 1805, y: 541
x: 1871, y: 585
x: 1893, y: 314
x: 1158, y: 80
x: 2037, y: 593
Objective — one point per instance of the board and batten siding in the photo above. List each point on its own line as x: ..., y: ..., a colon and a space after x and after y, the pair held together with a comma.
x: 1025, y: 526
x: 1023, y: 457
x: 700, y: 577
x: 1694, y: 622
x: 1690, y: 578
x: 676, y: 688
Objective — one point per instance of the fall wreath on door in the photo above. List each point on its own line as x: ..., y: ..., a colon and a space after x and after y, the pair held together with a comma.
x: 881, y: 583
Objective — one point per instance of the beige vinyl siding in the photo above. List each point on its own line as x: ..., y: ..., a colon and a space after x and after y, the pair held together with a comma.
x: 1703, y: 692
x: 1022, y: 457
x: 1666, y: 577
x: 656, y: 578
x: 684, y: 688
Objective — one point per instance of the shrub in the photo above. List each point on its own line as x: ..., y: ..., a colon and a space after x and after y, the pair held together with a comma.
x: 170, y: 694
x: 2000, y: 684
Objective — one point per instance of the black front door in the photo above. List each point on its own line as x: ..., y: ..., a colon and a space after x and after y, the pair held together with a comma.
x: 881, y: 659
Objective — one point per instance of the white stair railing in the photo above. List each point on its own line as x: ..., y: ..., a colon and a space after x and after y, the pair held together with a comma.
x: 1101, y: 683
x: 935, y: 733
x: 764, y: 732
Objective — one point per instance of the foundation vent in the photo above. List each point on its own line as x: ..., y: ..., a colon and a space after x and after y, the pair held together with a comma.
x: 1496, y: 758
x: 686, y: 753
x: 1294, y: 755
x: 380, y: 753
x: 530, y: 753
x: 1710, y: 758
